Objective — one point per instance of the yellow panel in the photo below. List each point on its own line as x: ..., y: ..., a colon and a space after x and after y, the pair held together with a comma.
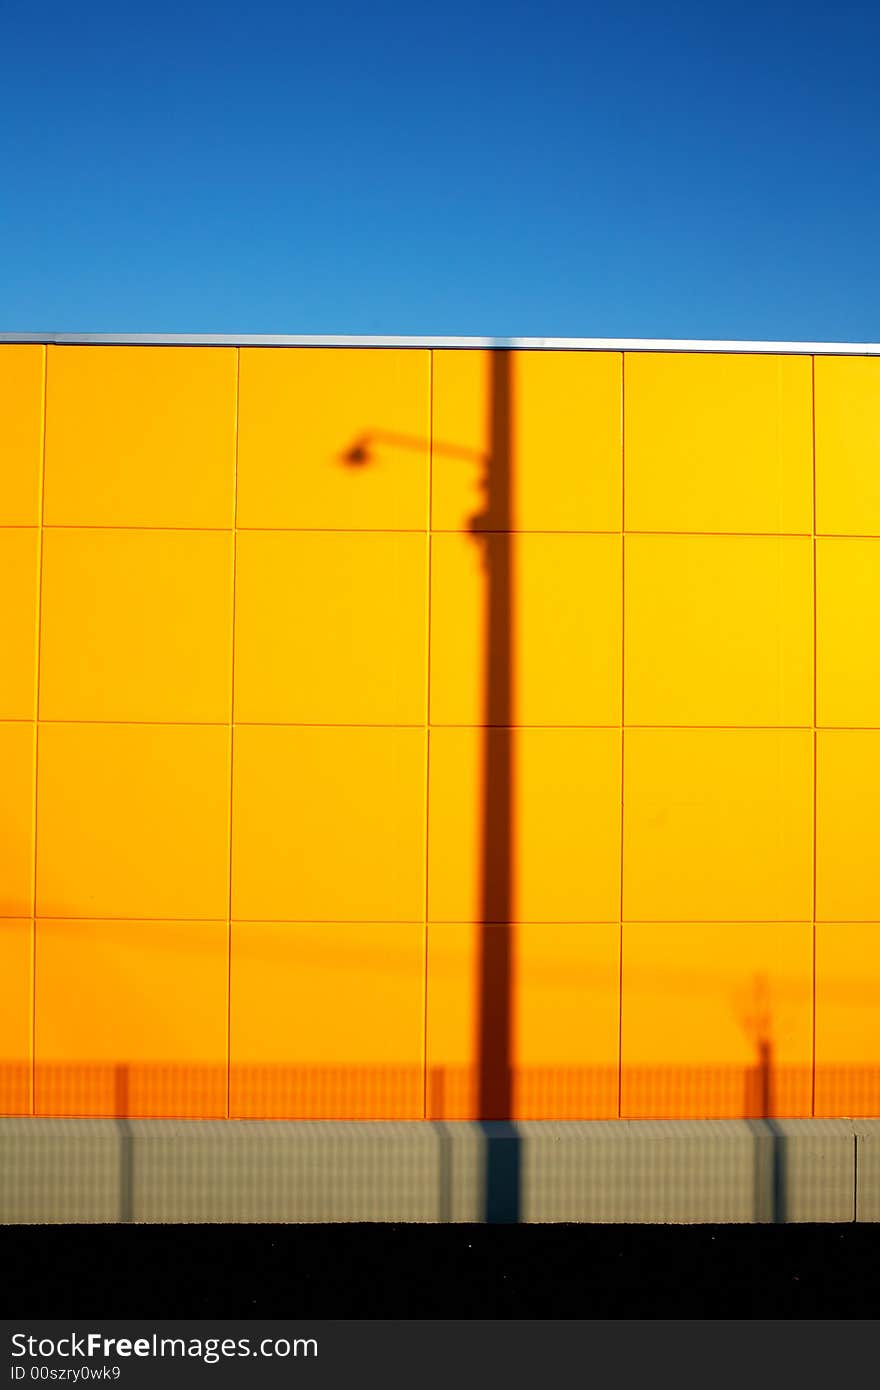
x: 848, y: 618
x: 718, y: 825
x: 133, y: 820
x: 847, y: 1004
x: 719, y: 630
x: 19, y: 553
x: 334, y: 437
x: 327, y: 1020
x: 558, y: 860
x: 328, y: 824
x: 136, y: 625
x: 16, y: 997
x: 848, y: 445
x: 21, y: 433
x: 718, y: 442
x: 16, y: 820
x: 717, y: 1020
x: 131, y: 1018
x: 528, y: 440
x: 563, y: 1000
x: 330, y: 628
x: 140, y: 436
x: 562, y: 621
x: 847, y: 817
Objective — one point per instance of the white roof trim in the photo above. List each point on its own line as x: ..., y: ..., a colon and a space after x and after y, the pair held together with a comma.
x: 352, y: 340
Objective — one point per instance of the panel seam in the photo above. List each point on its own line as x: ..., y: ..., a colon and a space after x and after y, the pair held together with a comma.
x: 815, y: 742
x: 36, y: 707
x: 429, y: 542
x: 622, y: 724
x: 450, y: 919
x: 445, y: 531
x: 231, y: 743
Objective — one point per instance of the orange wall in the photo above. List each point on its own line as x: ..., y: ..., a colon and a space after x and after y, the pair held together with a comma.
x: 248, y: 657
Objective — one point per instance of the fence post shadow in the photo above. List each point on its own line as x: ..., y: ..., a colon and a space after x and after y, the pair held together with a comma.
x: 769, y: 1144
x: 122, y: 1108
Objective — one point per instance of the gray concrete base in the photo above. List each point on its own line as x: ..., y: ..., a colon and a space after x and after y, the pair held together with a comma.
x: 542, y: 1171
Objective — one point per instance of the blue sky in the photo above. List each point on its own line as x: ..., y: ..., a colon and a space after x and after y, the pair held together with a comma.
x: 691, y: 169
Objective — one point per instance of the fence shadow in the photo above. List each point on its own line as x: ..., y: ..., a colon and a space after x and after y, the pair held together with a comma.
x: 102, y: 1158
x: 762, y: 1090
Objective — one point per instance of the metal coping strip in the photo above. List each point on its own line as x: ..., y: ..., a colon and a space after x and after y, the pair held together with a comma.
x: 353, y: 340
